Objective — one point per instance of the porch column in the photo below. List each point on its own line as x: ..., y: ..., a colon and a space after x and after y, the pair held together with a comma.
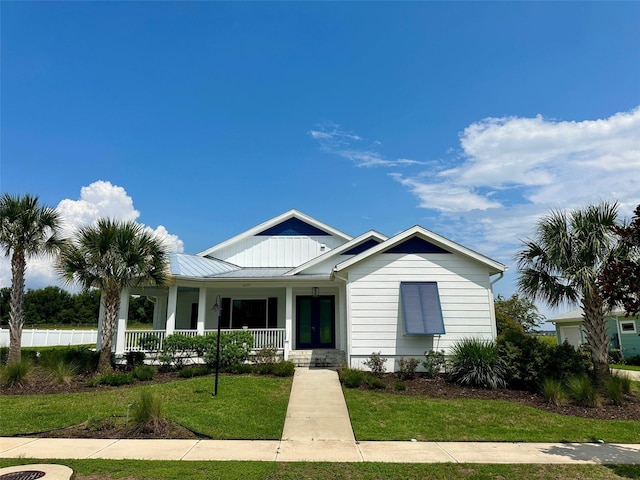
x: 100, y: 320
x: 123, y: 316
x: 202, y: 309
x: 172, y: 305
x: 288, y: 322
x: 160, y: 314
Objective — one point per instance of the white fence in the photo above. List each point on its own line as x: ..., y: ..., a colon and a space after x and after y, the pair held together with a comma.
x: 51, y: 338
x: 147, y: 340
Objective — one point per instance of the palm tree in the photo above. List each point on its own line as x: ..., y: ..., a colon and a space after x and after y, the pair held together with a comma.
x: 113, y: 255
x: 562, y: 265
x: 27, y: 229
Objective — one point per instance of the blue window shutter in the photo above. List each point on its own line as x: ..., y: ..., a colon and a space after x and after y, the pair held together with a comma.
x: 421, y: 308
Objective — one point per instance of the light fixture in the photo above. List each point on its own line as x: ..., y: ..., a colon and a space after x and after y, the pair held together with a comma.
x: 315, y: 291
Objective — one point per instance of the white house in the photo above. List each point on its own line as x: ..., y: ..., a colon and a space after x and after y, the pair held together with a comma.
x: 320, y: 295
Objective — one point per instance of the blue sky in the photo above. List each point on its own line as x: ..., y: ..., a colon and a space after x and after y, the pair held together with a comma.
x: 202, y: 119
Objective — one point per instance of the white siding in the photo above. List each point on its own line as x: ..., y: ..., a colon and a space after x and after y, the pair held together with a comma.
x: 277, y: 251
x: 376, y: 313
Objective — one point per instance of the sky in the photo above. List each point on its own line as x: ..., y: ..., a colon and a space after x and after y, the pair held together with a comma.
x: 201, y: 120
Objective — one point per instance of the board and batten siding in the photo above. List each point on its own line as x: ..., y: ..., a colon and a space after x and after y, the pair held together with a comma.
x: 376, y: 318
x: 277, y: 251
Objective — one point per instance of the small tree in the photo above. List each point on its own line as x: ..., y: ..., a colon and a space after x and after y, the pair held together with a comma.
x: 113, y: 255
x: 27, y: 229
x: 517, y: 310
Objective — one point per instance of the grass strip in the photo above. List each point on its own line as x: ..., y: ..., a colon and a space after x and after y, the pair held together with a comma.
x: 247, y: 407
x: 174, y: 470
x: 384, y: 416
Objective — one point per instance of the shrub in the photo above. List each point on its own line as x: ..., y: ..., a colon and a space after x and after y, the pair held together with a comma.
x: 4, y: 354
x: 16, y: 373
x: 407, y: 368
x: 63, y: 372
x: 376, y: 362
x: 114, y: 379
x: 373, y: 382
x: 177, y: 349
x: 434, y: 362
x: 97, y: 424
x: 351, y: 378
x: 264, y: 368
x: 134, y: 359
x: 553, y: 392
x: 616, y: 386
x: 83, y: 358
x: 147, y: 413
x: 615, y: 356
x: 399, y: 386
x: 235, y: 348
x: 144, y: 373
x: 149, y: 342
x: 284, y: 369
x: 194, y: 371
x: 582, y: 390
x: 240, y: 369
x: 476, y: 363
x: 266, y: 355
x: 634, y: 360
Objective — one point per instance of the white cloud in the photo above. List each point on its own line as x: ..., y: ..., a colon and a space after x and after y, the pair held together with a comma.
x: 101, y: 199
x: 348, y: 145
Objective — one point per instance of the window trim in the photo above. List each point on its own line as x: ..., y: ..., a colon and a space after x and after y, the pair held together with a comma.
x: 627, y: 322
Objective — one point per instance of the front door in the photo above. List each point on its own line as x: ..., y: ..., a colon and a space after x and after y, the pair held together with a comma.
x: 315, y: 322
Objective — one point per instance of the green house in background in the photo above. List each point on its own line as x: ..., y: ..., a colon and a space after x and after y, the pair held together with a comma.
x: 624, y: 332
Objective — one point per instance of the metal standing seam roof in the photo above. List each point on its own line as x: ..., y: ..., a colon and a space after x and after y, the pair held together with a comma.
x: 184, y: 265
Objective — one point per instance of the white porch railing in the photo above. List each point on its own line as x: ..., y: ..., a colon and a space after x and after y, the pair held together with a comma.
x: 150, y: 340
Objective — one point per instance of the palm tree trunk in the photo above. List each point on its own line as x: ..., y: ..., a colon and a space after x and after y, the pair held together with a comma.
x: 596, y: 336
x: 111, y: 310
x: 16, y: 314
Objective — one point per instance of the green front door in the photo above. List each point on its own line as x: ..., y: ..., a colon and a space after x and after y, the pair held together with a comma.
x: 315, y: 322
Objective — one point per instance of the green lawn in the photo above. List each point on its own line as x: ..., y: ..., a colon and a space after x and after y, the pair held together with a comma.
x: 634, y: 368
x: 247, y: 407
x: 386, y: 416
x: 163, y: 470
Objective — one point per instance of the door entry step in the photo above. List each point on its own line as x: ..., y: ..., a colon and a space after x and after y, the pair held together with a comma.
x: 325, y: 358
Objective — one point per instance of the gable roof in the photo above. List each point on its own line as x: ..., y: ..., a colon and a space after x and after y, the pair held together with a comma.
x: 284, y: 223
x: 354, y: 243
x: 433, y: 238
x: 183, y: 265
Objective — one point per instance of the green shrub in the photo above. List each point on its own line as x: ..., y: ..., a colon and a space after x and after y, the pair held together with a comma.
x: 63, y: 372
x: 634, y: 360
x: 143, y: 373
x: 235, y: 348
x: 477, y: 363
x: 399, y: 386
x: 565, y: 361
x: 553, y: 392
x: 177, y: 349
x: 284, y: 369
x: 582, y: 390
x: 434, y: 362
x: 373, y: 382
x: 615, y: 356
x: 264, y: 368
x: 616, y: 386
x: 376, y: 362
x: 149, y: 342
x: 240, y: 369
x: 266, y: 355
x: 351, y: 378
x: 114, y: 379
x: 134, y: 359
x: 407, y: 368
x: 147, y: 413
x: 16, y: 373
x: 194, y: 371
x: 83, y: 358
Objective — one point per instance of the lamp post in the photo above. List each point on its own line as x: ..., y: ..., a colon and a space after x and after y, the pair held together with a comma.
x: 217, y: 308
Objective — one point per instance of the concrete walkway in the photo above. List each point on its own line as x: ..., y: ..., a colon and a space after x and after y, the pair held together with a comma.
x: 317, y: 428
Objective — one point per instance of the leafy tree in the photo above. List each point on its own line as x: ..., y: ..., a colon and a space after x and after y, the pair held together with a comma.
x: 113, y: 255
x: 620, y: 279
x: 27, y: 230
x: 516, y: 311
x: 562, y: 265
x: 140, y: 310
x: 47, y: 305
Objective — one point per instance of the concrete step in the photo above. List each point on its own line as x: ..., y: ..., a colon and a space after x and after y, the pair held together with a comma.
x: 327, y: 358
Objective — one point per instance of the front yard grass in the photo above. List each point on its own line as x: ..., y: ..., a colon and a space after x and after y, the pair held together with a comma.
x: 165, y: 470
x: 634, y: 368
x: 385, y: 416
x: 247, y: 407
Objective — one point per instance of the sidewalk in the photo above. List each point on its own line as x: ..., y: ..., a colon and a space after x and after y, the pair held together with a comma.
x: 317, y: 428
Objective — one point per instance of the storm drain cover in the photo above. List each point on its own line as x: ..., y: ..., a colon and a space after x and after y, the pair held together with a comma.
x: 24, y: 475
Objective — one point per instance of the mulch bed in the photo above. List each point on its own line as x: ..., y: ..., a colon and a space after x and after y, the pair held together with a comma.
x: 419, y: 386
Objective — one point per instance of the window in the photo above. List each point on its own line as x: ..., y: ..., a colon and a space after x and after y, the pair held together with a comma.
x: 421, y: 308
x: 628, y: 326
x: 249, y: 313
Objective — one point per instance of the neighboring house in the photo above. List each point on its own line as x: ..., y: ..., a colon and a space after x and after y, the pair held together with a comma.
x: 623, y: 331
x: 320, y: 295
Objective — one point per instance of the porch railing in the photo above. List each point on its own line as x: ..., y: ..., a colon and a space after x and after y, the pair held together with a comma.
x: 150, y: 340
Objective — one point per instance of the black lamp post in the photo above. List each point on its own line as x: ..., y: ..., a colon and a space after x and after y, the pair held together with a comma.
x: 217, y: 308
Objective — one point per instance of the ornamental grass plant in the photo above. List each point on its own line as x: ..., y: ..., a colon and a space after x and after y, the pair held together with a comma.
x: 477, y: 363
